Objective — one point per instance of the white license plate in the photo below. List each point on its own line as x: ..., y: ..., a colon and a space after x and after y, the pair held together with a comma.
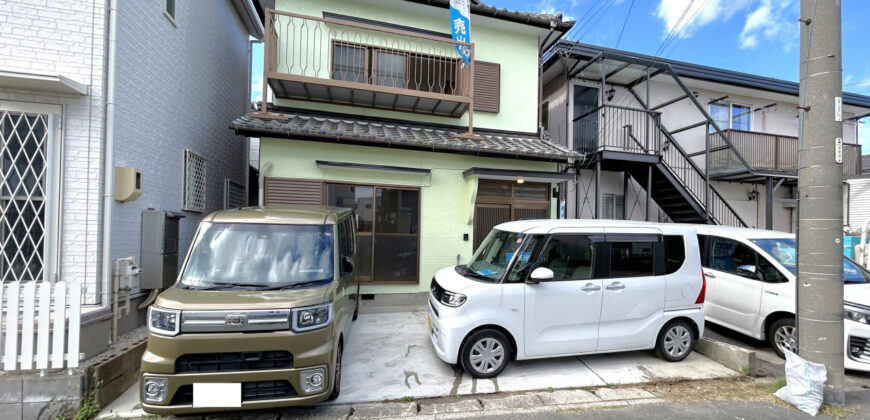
x: 217, y: 395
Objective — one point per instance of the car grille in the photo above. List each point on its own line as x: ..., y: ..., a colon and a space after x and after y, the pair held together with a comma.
x: 231, y: 362
x: 859, y: 349
x: 436, y: 290
x: 251, y: 391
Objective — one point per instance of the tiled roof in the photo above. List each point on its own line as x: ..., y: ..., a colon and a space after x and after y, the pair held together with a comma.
x: 299, y: 124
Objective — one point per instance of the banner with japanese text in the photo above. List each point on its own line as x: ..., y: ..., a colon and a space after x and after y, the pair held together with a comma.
x: 460, y: 24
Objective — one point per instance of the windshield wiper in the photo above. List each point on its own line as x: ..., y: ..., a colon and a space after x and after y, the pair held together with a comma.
x: 295, y: 285
x: 222, y: 284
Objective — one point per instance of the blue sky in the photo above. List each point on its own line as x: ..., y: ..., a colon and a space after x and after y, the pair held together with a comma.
x: 752, y: 36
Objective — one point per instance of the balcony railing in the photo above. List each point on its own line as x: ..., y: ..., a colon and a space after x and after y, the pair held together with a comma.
x: 338, y: 61
x: 768, y: 153
x: 617, y: 128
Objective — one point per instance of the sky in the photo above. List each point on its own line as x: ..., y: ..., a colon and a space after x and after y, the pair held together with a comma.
x: 753, y: 36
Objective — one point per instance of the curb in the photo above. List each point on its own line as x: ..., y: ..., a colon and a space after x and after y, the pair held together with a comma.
x: 728, y: 355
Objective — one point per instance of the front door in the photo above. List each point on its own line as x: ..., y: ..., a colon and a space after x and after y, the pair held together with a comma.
x: 732, y: 299
x: 633, y: 297
x: 561, y: 315
x: 504, y: 201
x: 585, y: 119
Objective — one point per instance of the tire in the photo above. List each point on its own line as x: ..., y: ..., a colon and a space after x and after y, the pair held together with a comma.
x: 782, y: 334
x: 675, y: 341
x: 336, y: 377
x: 490, y: 351
x: 356, y: 308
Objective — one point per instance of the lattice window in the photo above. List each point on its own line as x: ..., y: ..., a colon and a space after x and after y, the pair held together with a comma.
x: 234, y: 195
x: 23, y: 190
x: 194, y: 182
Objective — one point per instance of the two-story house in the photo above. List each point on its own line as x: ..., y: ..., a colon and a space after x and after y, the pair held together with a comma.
x: 107, y: 109
x: 710, y: 145
x: 375, y: 110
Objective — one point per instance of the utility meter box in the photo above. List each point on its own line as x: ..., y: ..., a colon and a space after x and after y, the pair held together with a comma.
x: 128, y: 183
x: 159, y: 249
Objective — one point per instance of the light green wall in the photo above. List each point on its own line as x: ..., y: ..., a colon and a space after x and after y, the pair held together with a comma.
x: 446, y: 197
x: 515, y: 51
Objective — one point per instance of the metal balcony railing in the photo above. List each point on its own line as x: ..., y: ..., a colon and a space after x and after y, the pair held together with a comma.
x: 339, y: 61
x: 618, y: 128
x: 768, y: 153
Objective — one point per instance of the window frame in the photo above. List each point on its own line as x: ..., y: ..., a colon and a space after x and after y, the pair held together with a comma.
x: 731, y: 114
x: 171, y: 15
x: 185, y: 185
x: 53, y: 194
x: 658, y: 253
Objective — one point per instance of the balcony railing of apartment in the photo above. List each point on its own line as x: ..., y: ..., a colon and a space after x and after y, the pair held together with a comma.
x: 338, y: 61
x: 620, y: 129
x: 765, y: 152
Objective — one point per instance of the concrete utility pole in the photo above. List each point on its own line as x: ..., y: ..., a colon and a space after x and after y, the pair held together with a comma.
x: 820, y: 177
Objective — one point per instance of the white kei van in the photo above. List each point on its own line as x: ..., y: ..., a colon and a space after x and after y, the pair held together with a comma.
x: 547, y: 288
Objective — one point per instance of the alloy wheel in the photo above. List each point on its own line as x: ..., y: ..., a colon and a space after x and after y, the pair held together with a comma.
x: 785, y: 339
x: 487, y: 355
x: 677, y: 341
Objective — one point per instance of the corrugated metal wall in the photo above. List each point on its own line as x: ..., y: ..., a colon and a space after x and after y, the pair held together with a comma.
x: 859, y: 202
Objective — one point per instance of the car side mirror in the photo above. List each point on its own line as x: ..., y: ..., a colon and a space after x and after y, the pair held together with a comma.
x: 748, y: 270
x: 541, y: 274
x: 346, y: 265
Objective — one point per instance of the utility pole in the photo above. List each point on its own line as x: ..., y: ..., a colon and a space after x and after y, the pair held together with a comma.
x: 820, y: 177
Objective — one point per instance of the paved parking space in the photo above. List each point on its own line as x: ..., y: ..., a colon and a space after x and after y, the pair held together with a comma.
x: 389, y: 356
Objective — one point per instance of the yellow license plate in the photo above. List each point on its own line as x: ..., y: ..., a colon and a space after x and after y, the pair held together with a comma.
x: 429, y: 318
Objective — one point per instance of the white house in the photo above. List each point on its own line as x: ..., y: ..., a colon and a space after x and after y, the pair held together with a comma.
x: 712, y: 145
x: 108, y: 108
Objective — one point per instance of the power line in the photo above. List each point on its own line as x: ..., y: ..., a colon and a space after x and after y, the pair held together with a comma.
x: 623, y: 24
x: 601, y: 12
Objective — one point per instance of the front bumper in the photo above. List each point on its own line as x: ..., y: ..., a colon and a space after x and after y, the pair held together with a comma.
x: 309, y: 350
x: 449, y: 326
x: 857, y: 336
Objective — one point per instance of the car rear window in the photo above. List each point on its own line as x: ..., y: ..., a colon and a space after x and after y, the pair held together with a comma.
x: 675, y: 253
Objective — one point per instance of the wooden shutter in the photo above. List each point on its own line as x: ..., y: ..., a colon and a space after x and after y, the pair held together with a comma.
x: 487, y: 86
x: 293, y: 191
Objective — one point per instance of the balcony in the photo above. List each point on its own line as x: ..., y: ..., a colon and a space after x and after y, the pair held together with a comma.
x: 768, y: 154
x: 343, y: 62
x: 612, y: 128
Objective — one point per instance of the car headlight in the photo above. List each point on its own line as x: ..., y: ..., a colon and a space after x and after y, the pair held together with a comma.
x: 154, y: 389
x: 163, y: 321
x: 452, y: 299
x: 311, y: 317
x: 854, y: 313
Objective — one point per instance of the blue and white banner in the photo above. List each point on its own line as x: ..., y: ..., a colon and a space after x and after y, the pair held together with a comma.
x: 460, y: 25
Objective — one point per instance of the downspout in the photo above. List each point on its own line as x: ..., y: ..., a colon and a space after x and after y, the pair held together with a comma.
x: 108, y: 168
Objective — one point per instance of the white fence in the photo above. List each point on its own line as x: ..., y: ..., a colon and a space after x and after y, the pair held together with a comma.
x: 24, y: 306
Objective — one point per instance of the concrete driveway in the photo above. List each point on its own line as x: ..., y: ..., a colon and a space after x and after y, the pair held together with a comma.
x: 389, y: 356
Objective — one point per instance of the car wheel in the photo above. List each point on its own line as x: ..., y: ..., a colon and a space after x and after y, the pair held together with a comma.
x: 336, y: 381
x: 675, y: 341
x: 485, y: 354
x: 782, y: 335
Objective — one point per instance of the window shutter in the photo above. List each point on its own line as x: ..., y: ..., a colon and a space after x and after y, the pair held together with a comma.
x: 293, y: 191
x: 487, y: 86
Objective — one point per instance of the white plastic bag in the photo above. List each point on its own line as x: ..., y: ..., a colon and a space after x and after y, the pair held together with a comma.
x: 804, y: 384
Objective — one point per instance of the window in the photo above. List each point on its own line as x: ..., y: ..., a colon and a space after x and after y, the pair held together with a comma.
x: 389, y: 68
x: 389, y: 229
x: 613, y: 206
x: 728, y: 254
x: 194, y: 182
x: 169, y: 10
x: 349, y: 63
x: 632, y: 259
x: 571, y: 257
x: 675, y: 253
x: 487, y: 86
x: 769, y: 272
x: 728, y: 115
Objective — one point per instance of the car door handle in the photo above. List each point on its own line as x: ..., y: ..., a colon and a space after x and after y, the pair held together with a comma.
x: 615, y: 286
x: 589, y: 287
x: 709, y: 275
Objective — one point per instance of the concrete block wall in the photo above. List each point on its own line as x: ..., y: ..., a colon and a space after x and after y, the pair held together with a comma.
x: 66, y: 37
x: 180, y: 84
x: 40, y: 398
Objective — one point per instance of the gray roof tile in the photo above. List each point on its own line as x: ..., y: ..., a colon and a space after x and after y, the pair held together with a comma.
x: 297, y: 123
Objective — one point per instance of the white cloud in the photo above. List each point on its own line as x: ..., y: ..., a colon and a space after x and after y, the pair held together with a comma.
x: 256, y: 87
x: 548, y: 7
x: 701, y: 12
x: 772, y: 20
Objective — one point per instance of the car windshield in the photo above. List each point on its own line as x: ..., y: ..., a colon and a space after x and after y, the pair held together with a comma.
x: 783, y: 251
x: 259, y: 256
x: 494, y: 254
